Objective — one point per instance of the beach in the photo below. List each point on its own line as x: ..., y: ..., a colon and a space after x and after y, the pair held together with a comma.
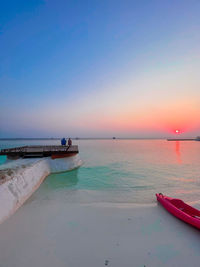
x: 97, y: 235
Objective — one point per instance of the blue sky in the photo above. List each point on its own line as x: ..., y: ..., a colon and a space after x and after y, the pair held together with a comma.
x: 98, y: 68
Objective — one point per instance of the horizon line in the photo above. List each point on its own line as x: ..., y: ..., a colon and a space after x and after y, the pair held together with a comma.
x: 84, y: 138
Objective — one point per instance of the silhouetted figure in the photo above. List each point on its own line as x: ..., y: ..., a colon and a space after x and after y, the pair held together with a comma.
x: 69, y: 142
x: 63, y: 141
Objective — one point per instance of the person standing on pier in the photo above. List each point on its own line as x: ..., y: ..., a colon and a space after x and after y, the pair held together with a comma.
x: 69, y: 142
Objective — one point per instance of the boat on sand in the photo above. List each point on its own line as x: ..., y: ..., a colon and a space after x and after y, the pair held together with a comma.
x: 180, y: 209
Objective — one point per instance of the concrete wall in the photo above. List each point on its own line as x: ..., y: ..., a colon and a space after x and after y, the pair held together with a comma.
x: 20, y: 178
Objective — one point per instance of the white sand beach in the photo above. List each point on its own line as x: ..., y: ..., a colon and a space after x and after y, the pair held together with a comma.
x: 97, y: 235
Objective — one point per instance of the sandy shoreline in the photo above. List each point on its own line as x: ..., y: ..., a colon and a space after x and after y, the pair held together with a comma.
x: 97, y: 235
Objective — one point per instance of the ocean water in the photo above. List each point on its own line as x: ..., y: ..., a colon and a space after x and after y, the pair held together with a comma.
x: 123, y: 171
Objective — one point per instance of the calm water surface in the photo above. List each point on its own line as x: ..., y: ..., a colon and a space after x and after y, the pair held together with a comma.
x: 125, y: 171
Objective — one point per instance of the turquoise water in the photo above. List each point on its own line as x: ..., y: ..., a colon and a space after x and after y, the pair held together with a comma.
x: 125, y: 171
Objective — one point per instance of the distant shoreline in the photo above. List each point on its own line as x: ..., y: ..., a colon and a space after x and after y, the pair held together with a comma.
x: 88, y: 138
x: 99, y: 138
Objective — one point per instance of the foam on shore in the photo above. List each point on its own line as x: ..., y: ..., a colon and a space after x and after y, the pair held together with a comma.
x: 20, y: 178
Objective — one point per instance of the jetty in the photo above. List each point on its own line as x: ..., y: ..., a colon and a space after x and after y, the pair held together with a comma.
x: 182, y: 139
x: 40, y: 152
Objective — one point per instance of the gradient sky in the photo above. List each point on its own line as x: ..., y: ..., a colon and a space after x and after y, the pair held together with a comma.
x: 99, y: 68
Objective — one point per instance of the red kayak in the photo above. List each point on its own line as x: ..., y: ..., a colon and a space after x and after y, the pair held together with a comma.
x: 180, y: 209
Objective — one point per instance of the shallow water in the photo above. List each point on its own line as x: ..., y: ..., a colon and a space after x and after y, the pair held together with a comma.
x: 123, y: 171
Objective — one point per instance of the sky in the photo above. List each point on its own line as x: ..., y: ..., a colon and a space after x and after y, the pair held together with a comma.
x: 88, y: 68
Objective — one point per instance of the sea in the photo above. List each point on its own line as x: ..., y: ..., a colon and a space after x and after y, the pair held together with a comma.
x: 122, y: 171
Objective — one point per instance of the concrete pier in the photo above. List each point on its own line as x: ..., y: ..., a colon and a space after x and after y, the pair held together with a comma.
x: 39, y: 151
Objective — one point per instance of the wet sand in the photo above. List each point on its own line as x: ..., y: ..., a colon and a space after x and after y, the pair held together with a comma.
x: 96, y: 235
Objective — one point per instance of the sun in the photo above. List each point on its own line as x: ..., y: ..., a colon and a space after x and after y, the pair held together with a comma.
x: 177, y: 131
